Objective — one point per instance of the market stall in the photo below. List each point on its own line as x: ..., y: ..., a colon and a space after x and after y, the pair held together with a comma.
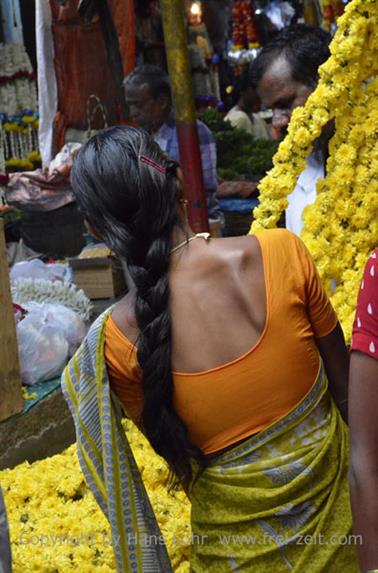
x: 54, y: 519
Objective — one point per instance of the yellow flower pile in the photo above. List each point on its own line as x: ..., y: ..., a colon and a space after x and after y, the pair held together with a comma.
x: 56, y: 525
x: 16, y: 163
x: 341, y: 227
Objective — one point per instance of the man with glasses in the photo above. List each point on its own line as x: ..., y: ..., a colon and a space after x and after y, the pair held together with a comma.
x: 285, y: 73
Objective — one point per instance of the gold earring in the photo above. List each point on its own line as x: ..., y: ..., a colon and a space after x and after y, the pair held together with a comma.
x: 184, y: 203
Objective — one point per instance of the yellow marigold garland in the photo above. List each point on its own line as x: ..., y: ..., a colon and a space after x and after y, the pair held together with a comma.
x: 341, y: 227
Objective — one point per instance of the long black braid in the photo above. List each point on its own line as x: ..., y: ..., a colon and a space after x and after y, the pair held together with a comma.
x: 128, y: 190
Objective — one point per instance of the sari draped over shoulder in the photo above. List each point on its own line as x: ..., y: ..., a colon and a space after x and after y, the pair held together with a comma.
x: 277, y: 502
x: 107, y: 461
x: 280, y: 500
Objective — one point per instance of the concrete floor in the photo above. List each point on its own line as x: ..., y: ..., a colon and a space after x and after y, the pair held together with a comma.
x: 44, y: 430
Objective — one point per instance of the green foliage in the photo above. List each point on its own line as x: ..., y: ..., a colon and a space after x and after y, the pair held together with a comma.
x: 214, y: 120
x: 240, y: 155
x: 9, y: 215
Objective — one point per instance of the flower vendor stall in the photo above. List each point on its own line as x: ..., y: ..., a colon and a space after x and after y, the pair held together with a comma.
x: 56, y: 526
x: 18, y: 109
x: 242, y: 161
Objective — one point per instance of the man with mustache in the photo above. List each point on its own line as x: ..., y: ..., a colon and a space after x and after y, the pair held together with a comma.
x: 284, y: 74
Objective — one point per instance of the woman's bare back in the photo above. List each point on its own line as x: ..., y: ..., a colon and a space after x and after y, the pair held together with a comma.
x: 217, y: 302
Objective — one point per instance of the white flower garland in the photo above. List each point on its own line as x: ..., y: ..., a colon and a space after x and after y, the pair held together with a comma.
x: 19, y: 93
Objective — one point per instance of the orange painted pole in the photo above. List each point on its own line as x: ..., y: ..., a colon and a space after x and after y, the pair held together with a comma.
x: 185, y: 114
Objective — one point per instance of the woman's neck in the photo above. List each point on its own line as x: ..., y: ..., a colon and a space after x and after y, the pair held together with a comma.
x: 181, y: 234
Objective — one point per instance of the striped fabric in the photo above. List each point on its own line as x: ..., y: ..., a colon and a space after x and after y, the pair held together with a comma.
x: 107, y: 461
x: 167, y: 139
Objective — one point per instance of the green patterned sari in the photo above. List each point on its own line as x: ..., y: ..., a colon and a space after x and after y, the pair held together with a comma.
x: 279, y: 501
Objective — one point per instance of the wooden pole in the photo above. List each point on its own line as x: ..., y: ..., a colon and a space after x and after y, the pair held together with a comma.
x: 185, y: 113
x: 11, y: 401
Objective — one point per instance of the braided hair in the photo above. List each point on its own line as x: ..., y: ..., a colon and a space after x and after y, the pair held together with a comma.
x: 128, y: 190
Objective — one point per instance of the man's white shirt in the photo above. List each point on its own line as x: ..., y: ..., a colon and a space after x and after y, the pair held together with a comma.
x: 304, y: 192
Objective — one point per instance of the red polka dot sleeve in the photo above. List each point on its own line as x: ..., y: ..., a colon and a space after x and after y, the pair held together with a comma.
x: 365, y: 327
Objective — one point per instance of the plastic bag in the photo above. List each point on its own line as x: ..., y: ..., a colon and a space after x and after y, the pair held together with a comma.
x: 71, y: 324
x: 43, y: 349
x: 47, y: 337
x: 36, y: 269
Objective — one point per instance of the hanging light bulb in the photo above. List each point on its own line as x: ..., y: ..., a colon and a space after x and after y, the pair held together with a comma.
x: 195, y: 13
x: 195, y: 9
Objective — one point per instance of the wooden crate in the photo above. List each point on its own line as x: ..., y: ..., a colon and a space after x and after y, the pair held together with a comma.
x: 11, y: 401
x: 99, y: 277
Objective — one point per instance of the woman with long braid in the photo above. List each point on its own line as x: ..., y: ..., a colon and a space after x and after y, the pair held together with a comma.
x: 220, y: 353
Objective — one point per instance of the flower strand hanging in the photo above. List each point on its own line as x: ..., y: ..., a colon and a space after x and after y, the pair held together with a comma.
x: 341, y: 227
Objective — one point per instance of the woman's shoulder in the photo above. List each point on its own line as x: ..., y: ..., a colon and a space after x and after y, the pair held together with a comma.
x: 245, y: 244
x: 278, y: 237
x: 97, y: 327
x: 123, y: 320
x: 273, y: 240
x: 218, y: 258
x: 282, y: 249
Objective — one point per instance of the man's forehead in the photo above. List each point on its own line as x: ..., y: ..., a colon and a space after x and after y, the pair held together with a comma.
x: 277, y: 73
x: 138, y: 91
x: 276, y: 82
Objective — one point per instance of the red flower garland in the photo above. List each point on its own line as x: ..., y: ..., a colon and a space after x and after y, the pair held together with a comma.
x: 18, y: 76
x: 331, y: 11
x: 244, y: 31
